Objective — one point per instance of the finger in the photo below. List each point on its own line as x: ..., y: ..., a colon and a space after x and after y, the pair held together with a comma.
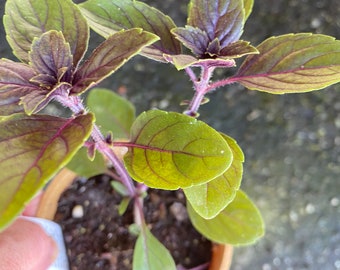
x: 25, y: 246
x: 32, y: 207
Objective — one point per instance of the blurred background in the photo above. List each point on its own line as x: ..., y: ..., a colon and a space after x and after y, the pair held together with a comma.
x: 291, y: 142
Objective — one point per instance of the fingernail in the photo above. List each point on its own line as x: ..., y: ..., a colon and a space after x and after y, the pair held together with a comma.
x: 54, y: 248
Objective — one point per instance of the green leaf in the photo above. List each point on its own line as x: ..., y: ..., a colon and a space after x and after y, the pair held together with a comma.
x: 33, y: 149
x: 113, y: 112
x: 221, y: 19
x: 181, y: 61
x: 170, y: 151
x: 240, y: 223
x: 108, y: 17
x: 14, y: 84
x: 109, y: 56
x: 150, y: 254
x: 120, y: 188
x: 248, y: 7
x: 122, y: 207
x: 25, y: 19
x: 211, y: 198
x: 292, y: 63
x: 83, y: 166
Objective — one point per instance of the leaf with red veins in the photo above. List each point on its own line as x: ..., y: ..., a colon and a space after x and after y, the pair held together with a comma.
x: 238, y: 49
x: 193, y: 38
x: 14, y: 84
x: 222, y: 19
x: 51, y: 56
x: 292, y: 63
x: 111, y: 16
x: 33, y: 149
x: 109, y: 56
x: 25, y: 20
x: 182, y: 61
x: 35, y: 101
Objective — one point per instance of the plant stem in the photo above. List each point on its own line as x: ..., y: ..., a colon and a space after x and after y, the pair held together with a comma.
x: 107, y: 151
x: 201, y: 88
x: 138, y: 212
x: 221, y: 83
x: 191, y: 74
x: 195, y: 104
x: 75, y: 104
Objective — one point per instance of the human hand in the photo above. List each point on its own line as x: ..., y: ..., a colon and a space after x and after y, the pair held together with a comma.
x: 24, y: 245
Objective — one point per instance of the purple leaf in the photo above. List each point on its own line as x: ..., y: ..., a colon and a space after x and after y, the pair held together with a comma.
x: 238, y: 49
x: 36, y: 100
x: 109, y: 56
x: 14, y: 84
x: 25, y: 20
x: 110, y: 16
x: 193, y: 38
x: 221, y: 19
x: 51, y: 56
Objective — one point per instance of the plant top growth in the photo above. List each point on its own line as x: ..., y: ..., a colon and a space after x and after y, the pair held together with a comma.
x: 164, y: 150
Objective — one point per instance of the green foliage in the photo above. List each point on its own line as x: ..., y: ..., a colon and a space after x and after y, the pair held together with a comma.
x: 25, y: 20
x: 41, y: 145
x: 113, y: 112
x: 292, y: 63
x: 211, y: 198
x: 108, y: 17
x: 166, y: 150
x: 150, y: 254
x: 122, y: 207
x: 248, y: 7
x: 120, y: 188
x: 83, y: 166
x: 170, y: 151
x: 240, y: 223
x: 109, y: 56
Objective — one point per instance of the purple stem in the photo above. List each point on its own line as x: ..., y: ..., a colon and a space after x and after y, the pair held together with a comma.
x: 201, y: 88
x: 75, y: 104
x: 191, y: 74
x: 221, y: 83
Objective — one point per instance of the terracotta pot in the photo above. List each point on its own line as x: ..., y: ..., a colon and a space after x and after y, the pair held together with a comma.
x: 49, y: 201
x: 221, y: 257
x: 221, y: 254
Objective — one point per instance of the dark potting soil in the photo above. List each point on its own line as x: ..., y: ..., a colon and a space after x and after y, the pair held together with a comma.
x: 99, y: 238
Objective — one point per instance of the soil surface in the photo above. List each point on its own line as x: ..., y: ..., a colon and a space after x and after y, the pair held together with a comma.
x: 97, y: 237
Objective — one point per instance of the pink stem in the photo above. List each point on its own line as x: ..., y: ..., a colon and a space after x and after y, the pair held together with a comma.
x: 75, y: 104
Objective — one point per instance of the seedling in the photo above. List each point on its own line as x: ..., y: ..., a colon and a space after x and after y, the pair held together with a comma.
x: 164, y: 150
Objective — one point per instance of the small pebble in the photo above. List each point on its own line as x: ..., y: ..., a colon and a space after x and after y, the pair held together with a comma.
x: 179, y: 211
x: 335, y: 202
x: 78, y: 211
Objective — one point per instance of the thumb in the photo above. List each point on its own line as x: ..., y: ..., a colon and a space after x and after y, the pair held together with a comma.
x: 25, y: 246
